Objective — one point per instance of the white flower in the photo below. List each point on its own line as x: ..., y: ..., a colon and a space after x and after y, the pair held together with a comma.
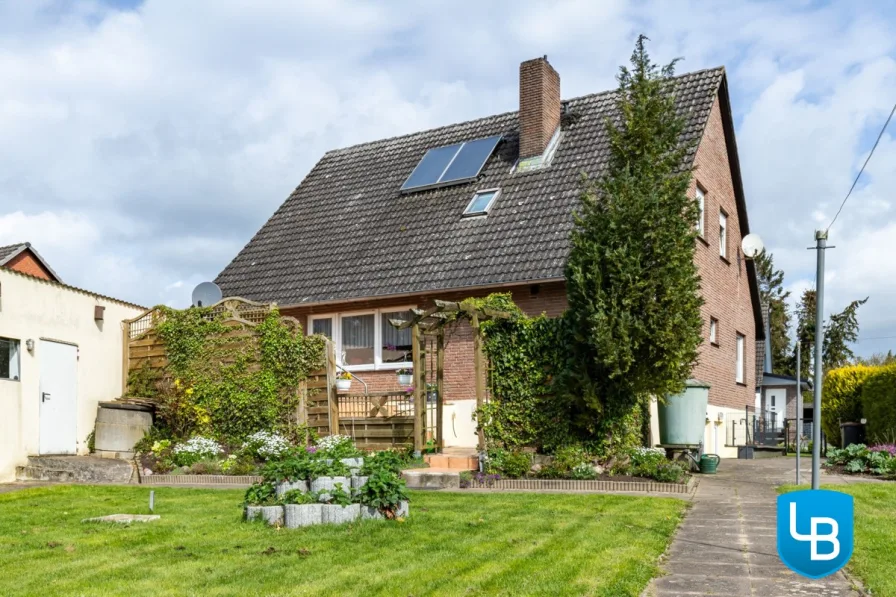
x: 331, y: 441
x: 266, y: 445
x: 202, y: 446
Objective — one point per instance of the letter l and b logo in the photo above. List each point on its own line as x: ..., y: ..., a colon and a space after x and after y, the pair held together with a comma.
x: 815, y: 531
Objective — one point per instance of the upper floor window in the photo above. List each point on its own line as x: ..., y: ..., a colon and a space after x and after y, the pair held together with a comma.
x: 723, y: 234
x: 366, y: 340
x: 701, y: 207
x: 741, y: 364
x: 9, y: 359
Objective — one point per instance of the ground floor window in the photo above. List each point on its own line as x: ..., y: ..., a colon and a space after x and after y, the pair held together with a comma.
x: 365, y: 339
x: 9, y: 359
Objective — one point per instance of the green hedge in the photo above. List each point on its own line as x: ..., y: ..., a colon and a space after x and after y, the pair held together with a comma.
x: 879, y: 404
x: 841, y: 398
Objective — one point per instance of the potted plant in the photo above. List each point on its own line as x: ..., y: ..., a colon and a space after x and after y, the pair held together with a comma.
x: 405, y: 377
x: 343, y: 381
x: 384, y: 496
x: 339, y: 508
x: 261, y: 503
x: 301, y: 509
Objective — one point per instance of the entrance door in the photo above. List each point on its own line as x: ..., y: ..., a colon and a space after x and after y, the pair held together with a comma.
x: 58, y: 397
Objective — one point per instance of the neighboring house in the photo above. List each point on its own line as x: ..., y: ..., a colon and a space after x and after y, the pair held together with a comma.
x: 60, y: 354
x: 24, y: 258
x: 486, y: 206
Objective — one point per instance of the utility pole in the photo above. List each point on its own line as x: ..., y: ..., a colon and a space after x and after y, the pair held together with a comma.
x: 799, y: 409
x: 821, y: 241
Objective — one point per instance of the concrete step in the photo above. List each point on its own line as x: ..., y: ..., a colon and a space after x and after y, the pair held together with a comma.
x: 458, y: 462
x: 424, y: 478
x: 75, y: 469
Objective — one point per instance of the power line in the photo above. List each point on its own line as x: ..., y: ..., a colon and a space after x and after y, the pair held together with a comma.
x: 863, y: 167
x: 876, y: 338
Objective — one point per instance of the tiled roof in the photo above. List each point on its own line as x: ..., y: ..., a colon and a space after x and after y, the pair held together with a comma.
x: 9, y: 250
x: 347, y: 232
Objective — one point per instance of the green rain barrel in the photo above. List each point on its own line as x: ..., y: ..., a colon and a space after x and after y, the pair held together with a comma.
x: 682, y: 417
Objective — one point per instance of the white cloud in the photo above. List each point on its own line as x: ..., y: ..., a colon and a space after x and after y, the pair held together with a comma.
x: 139, y: 150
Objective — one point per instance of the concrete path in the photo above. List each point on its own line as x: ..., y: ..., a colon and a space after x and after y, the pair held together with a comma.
x: 726, y: 544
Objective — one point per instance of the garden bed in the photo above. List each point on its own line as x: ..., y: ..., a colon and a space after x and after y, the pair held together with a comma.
x: 634, y: 484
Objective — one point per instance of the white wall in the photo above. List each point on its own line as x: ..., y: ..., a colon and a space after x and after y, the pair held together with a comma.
x: 36, y: 309
x: 458, y: 426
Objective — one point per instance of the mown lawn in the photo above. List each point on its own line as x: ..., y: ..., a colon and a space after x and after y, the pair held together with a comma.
x: 874, y: 553
x: 453, y: 544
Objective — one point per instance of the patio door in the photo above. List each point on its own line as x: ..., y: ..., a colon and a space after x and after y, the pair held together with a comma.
x: 58, y: 396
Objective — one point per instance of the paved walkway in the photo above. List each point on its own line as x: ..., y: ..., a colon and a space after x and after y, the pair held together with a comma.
x: 726, y: 544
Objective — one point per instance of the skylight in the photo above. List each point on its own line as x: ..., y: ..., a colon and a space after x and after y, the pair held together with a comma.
x: 482, y: 201
x: 452, y: 164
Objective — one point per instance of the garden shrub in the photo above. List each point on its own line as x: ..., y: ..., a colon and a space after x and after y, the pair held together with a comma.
x: 879, y: 404
x: 859, y: 458
x: 388, y: 460
x: 509, y: 463
x: 841, y: 398
x: 582, y: 472
x: 261, y: 494
x: 224, y: 385
x: 206, y: 466
x: 523, y: 355
x: 385, y: 491
x: 565, y: 460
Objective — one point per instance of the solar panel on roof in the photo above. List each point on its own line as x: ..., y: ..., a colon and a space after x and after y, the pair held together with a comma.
x: 451, y: 164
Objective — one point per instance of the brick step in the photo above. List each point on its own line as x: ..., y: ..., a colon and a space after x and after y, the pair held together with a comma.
x: 459, y: 462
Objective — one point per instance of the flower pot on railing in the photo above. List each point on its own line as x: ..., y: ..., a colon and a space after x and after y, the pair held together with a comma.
x: 404, y: 380
x: 343, y: 385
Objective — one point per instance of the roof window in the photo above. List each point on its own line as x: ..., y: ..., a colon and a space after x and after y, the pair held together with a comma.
x: 482, y: 202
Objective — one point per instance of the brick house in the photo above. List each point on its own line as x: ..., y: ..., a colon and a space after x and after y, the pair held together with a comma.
x: 484, y: 206
x: 25, y: 259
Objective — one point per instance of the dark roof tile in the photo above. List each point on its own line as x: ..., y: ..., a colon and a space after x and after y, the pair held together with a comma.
x: 347, y: 232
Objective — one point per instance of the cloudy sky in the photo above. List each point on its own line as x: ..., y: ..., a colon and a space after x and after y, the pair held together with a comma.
x: 143, y: 143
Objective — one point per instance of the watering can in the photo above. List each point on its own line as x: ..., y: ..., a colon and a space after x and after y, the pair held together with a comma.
x: 709, y: 463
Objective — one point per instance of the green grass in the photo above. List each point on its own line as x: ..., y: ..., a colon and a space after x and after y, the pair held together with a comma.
x: 874, y: 552
x: 452, y: 544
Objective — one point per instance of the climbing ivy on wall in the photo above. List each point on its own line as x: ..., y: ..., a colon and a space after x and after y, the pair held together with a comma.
x: 230, y: 385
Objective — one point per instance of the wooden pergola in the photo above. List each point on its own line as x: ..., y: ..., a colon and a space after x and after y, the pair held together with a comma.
x: 432, y: 322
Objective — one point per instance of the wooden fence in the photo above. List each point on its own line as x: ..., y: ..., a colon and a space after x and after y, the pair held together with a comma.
x: 376, y: 421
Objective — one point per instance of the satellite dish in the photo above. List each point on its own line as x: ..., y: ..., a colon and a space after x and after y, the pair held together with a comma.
x: 752, y: 246
x: 206, y: 294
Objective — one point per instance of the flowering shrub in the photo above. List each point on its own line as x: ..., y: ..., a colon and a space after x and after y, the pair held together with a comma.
x: 343, y: 375
x: 889, y: 448
x: 264, y: 445
x: 337, y: 446
x: 194, y: 450
x: 858, y: 458
x: 582, y: 472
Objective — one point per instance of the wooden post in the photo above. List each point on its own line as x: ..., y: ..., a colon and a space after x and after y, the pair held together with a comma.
x: 302, y: 407
x: 440, y: 384
x: 332, y: 397
x: 478, y: 373
x: 125, y: 355
x: 419, y: 400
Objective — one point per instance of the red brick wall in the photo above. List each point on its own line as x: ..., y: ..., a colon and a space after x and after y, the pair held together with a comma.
x: 724, y: 282
x: 26, y: 263
x: 539, y: 106
x: 460, y: 382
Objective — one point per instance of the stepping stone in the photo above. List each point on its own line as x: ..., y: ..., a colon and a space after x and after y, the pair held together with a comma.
x: 124, y: 518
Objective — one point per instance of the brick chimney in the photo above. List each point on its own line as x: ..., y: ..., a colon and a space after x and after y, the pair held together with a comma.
x: 539, y: 105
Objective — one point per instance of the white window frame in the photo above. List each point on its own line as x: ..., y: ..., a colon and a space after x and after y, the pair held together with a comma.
x: 15, y: 361
x: 713, y: 331
x: 701, y: 205
x: 378, y: 364
x: 741, y: 357
x: 723, y: 234
x: 468, y: 214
